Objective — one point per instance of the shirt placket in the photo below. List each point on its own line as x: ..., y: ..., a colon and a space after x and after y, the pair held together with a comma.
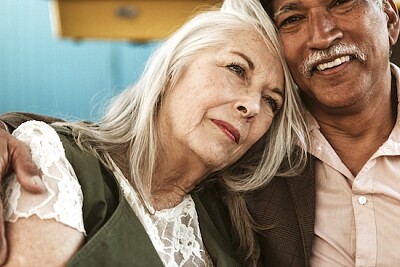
x: 364, y: 220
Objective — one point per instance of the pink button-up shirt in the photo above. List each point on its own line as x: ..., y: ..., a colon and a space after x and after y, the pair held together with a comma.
x: 357, y: 218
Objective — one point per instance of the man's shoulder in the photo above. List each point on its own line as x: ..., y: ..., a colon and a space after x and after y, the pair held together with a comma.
x: 284, y: 213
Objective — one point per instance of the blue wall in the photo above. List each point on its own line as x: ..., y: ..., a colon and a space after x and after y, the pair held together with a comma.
x: 44, y: 74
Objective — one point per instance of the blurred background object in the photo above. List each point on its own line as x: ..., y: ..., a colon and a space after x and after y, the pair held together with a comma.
x: 68, y: 78
x: 135, y: 20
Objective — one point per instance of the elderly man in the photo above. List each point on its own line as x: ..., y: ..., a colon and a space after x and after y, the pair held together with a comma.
x: 344, y: 209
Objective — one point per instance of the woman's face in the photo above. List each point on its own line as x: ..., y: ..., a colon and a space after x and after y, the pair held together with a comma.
x: 223, y: 103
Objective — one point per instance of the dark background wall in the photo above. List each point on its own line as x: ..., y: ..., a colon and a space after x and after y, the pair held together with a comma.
x: 395, y: 58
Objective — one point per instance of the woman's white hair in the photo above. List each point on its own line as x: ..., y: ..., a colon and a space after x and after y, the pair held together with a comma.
x: 129, y: 124
x: 287, y: 132
x: 281, y: 152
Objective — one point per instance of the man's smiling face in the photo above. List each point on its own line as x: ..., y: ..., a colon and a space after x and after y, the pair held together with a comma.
x: 337, y: 50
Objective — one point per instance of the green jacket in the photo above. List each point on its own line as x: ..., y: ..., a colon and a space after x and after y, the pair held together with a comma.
x: 115, y: 236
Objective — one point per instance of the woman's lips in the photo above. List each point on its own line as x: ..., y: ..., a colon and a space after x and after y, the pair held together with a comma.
x: 229, y: 130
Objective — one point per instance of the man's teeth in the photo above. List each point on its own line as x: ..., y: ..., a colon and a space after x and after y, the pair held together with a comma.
x: 333, y: 63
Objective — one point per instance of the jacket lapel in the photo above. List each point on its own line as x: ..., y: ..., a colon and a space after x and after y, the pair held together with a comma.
x: 215, y: 225
x: 302, y: 189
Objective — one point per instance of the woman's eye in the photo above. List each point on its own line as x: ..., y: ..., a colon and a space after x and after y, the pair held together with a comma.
x: 237, y: 69
x: 272, y: 103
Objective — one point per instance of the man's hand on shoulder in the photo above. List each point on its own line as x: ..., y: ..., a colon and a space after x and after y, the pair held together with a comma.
x: 16, y: 157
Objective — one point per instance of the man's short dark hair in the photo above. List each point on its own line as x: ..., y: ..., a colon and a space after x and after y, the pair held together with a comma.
x: 267, y: 5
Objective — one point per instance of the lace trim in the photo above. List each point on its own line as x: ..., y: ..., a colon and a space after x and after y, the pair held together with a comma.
x: 175, y: 233
x: 63, y: 200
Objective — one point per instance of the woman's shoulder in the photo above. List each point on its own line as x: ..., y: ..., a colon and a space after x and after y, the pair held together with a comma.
x: 100, y: 189
x: 63, y: 198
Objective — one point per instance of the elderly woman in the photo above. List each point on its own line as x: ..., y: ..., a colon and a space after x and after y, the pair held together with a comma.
x: 216, y: 104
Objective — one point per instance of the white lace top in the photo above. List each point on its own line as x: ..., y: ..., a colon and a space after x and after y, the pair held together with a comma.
x: 175, y: 232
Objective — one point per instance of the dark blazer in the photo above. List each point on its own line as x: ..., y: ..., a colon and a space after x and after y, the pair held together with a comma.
x: 287, y: 207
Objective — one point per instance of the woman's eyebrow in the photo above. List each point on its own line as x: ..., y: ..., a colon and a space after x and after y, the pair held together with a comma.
x: 279, y: 92
x: 246, y: 58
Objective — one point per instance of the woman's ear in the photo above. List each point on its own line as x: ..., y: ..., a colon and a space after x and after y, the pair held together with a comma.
x: 392, y: 14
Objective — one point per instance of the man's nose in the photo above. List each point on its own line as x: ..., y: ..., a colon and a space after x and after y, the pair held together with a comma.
x: 322, y: 29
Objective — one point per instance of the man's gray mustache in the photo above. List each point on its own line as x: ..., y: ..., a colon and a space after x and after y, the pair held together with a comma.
x: 333, y: 51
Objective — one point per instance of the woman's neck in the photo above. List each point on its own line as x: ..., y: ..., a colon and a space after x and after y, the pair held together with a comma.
x: 173, y: 178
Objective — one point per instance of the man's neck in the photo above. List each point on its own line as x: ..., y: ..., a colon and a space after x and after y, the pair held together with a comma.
x: 356, y: 137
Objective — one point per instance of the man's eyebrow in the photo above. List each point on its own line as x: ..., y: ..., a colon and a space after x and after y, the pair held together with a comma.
x: 246, y: 58
x: 285, y: 8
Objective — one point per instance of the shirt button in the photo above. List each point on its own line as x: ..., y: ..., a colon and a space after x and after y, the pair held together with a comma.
x: 362, y: 200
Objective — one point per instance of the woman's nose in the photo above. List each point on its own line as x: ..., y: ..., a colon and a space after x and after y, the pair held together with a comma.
x: 248, y: 106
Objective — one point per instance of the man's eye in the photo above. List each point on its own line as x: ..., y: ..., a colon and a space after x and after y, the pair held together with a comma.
x: 289, y: 21
x: 344, y: 6
x: 239, y: 70
x: 340, y: 2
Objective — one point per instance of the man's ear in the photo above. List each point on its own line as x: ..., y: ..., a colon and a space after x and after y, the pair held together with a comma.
x: 392, y: 14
